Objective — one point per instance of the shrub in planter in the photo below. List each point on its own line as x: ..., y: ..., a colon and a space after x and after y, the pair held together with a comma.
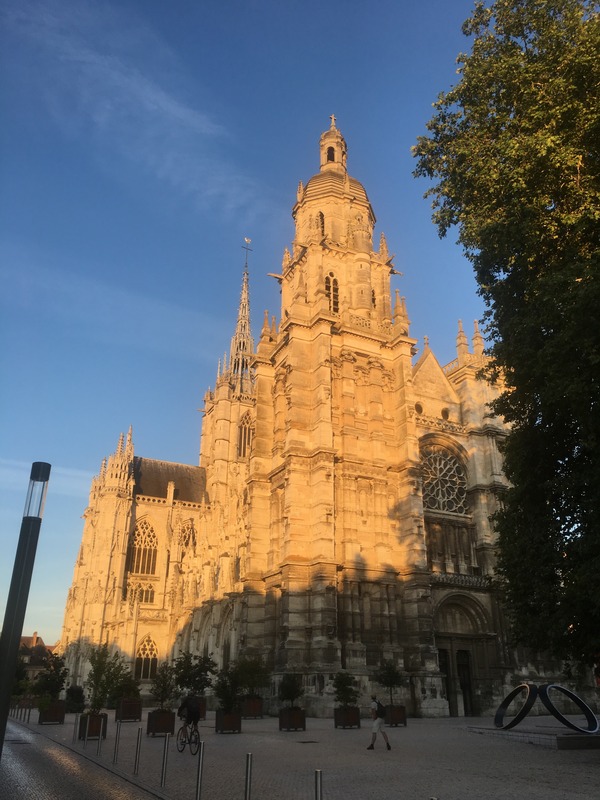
x: 228, y: 690
x: 163, y: 689
x: 75, y: 699
x: 51, y: 680
x: 347, y: 715
x: 51, y: 712
x: 291, y: 717
x: 194, y: 675
x: 253, y: 675
x: 106, y: 674
x: 389, y: 676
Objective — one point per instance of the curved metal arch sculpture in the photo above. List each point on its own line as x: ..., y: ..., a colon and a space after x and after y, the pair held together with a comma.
x: 533, y: 692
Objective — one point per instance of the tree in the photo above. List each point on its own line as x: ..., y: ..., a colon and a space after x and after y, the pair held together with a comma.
x: 253, y: 673
x: 344, y: 687
x: 290, y: 688
x: 107, y: 674
x: 51, y: 681
x: 164, y: 686
x: 389, y: 676
x: 193, y: 674
x: 513, y: 157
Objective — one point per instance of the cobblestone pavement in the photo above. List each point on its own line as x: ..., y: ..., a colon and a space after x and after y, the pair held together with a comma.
x: 443, y: 759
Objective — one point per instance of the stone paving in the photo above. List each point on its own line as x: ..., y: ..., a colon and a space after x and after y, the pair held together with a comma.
x: 444, y: 759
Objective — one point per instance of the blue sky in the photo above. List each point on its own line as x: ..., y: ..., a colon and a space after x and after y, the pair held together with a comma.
x: 141, y: 142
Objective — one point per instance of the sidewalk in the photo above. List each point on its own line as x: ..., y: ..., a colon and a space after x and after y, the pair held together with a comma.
x: 448, y: 759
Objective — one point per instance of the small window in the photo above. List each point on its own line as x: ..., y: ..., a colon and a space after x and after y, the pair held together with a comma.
x: 330, y: 154
x: 445, y: 413
x: 373, y: 302
x: 321, y: 220
x: 418, y: 408
x: 332, y: 292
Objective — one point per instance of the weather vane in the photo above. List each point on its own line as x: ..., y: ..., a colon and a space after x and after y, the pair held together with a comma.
x: 247, y: 248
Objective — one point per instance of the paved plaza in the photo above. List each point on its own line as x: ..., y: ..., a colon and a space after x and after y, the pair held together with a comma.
x: 447, y: 759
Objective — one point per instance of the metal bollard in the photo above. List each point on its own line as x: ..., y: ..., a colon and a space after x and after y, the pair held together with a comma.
x: 199, y: 772
x: 87, y: 727
x: 318, y: 785
x: 99, y: 747
x: 163, y: 773
x: 248, y: 776
x: 117, y: 737
x: 138, y: 747
x: 75, y: 728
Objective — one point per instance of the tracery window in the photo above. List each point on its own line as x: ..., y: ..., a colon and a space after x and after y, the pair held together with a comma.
x: 321, y: 222
x: 444, y: 480
x: 332, y: 292
x: 244, y: 436
x: 187, y: 538
x: 143, y: 593
x: 143, y: 549
x: 146, y: 660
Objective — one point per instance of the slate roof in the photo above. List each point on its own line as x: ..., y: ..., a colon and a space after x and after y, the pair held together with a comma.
x: 152, y: 477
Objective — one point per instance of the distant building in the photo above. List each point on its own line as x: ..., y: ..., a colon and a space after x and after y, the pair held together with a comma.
x: 33, y: 652
x: 341, y: 512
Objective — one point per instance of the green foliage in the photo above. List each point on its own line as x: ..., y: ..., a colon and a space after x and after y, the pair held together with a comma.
x: 193, y: 674
x: 107, y: 675
x: 75, y: 699
x: 290, y: 688
x: 389, y: 676
x: 253, y: 674
x: 164, y: 687
x: 21, y: 683
x: 512, y: 153
x: 344, y: 685
x: 51, y: 681
x: 229, y: 688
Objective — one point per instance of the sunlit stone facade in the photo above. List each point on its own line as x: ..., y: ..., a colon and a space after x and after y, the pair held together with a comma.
x: 340, y: 514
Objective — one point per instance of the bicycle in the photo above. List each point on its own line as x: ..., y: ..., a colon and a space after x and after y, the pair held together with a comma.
x: 188, y: 735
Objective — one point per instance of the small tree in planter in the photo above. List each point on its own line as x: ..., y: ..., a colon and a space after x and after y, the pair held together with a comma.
x: 389, y: 676
x: 290, y: 690
x: 253, y: 675
x: 193, y: 675
x: 103, y: 678
x: 163, y: 689
x: 75, y: 699
x: 228, y: 689
x: 346, y: 694
x: 48, y: 685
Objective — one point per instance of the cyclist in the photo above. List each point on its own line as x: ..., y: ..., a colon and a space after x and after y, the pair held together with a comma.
x: 189, y: 710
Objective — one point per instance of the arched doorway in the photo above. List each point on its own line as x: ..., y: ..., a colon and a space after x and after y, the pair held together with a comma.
x: 461, y: 640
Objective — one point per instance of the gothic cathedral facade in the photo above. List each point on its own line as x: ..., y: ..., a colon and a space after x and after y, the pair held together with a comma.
x: 341, y: 511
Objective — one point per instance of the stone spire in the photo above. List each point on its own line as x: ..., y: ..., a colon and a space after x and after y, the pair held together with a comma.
x: 462, y: 345
x: 242, y: 344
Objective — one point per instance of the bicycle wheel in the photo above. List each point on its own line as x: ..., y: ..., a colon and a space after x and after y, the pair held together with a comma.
x: 181, y: 739
x: 194, y: 741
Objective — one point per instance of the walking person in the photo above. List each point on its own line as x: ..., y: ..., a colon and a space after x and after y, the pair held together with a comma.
x: 378, y: 715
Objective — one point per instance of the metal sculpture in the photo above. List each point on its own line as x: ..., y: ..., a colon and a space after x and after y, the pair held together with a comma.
x: 543, y: 692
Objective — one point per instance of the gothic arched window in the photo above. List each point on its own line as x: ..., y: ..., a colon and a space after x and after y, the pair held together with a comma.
x: 143, y: 549
x: 444, y: 480
x: 146, y: 659
x: 332, y: 292
x: 244, y: 436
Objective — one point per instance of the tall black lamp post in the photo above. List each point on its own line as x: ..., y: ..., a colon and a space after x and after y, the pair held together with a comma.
x: 16, y: 604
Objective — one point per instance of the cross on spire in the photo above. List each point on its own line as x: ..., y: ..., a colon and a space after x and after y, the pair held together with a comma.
x: 332, y: 118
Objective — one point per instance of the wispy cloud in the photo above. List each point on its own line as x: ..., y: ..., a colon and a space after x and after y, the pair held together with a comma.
x: 104, y: 312
x: 67, y: 482
x: 105, y: 76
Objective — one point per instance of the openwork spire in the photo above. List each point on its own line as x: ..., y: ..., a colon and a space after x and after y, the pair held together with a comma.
x: 242, y: 343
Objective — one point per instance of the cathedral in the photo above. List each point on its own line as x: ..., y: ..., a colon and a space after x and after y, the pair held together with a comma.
x: 341, y: 511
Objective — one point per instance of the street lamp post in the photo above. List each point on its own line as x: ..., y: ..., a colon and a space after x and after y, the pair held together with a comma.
x: 16, y: 604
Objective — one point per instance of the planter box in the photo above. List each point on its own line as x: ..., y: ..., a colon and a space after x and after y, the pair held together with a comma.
x: 395, y: 715
x: 292, y: 719
x: 96, y: 724
x: 54, y: 714
x: 128, y: 711
x: 228, y: 721
x: 160, y: 721
x: 346, y: 717
x: 252, y: 707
